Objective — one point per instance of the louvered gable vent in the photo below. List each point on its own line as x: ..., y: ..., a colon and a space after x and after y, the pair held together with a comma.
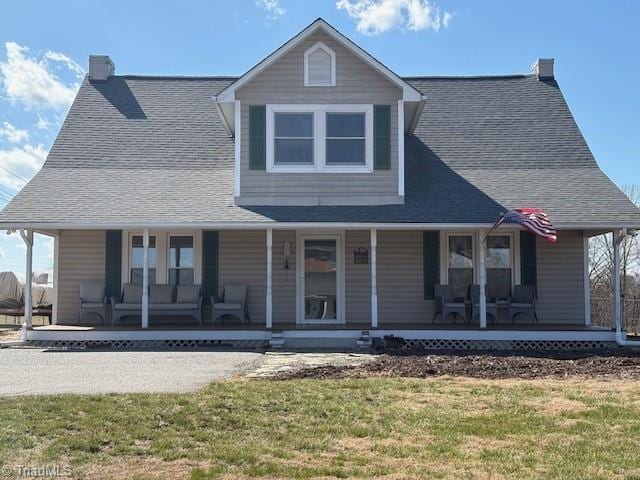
x: 319, y: 66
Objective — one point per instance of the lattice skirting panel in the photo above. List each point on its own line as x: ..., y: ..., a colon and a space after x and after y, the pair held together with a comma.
x: 439, y: 344
x: 147, y: 344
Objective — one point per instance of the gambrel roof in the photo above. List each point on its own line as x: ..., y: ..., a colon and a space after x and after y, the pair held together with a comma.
x: 153, y: 151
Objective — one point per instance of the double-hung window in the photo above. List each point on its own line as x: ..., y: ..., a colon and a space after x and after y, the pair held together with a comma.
x: 499, y: 266
x: 346, y: 139
x: 293, y: 139
x: 137, y: 256
x: 460, y: 263
x: 320, y: 138
x: 181, y: 260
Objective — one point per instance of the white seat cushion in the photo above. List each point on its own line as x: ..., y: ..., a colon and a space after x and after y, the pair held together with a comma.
x: 227, y: 306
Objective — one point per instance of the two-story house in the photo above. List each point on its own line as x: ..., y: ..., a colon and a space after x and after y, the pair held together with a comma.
x: 319, y: 199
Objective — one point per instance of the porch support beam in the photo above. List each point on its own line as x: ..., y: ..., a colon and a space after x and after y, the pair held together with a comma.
x: 374, y: 278
x: 27, y: 237
x: 269, y: 306
x: 482, y: 279
x: 145, y: 278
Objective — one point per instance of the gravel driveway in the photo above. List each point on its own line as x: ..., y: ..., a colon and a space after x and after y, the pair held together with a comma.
x: 25, y: 371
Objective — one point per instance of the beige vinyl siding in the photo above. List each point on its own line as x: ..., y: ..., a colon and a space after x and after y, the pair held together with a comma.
x: 81, y: 256
x: 283, y: 82
x: 561, y: 279
x: 243, y: 261
x: 400, y: 279
x: 284, y: 279
x: 357, y: 279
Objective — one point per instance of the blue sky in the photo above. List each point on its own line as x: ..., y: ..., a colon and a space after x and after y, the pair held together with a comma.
x: 44, y: 47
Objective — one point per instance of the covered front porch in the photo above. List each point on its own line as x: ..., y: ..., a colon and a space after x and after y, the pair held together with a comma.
x: 320, y: 283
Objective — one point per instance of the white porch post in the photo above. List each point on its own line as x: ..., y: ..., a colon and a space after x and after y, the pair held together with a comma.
x: 618, y: 236
x: 482, y: 280
x: 27, y: 237
x: 145, y: 278
x: 374, y: 278
x: 269, y: 306
x: 586, y: 282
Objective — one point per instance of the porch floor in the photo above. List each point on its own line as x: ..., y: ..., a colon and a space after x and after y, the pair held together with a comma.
x: 294, y: 326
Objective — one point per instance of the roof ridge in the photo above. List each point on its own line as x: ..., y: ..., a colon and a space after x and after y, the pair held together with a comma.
x: 467, y: 77
x: 408, y: 77
x: 177, y: 77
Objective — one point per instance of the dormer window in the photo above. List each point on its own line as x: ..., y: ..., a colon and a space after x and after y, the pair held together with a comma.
x: 319, y: 138
x: 319, y: 66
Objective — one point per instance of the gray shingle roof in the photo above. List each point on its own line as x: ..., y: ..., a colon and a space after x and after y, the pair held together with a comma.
x: 153, y: 150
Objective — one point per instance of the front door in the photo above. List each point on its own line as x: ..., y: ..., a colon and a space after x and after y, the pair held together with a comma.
x: 320, y: 286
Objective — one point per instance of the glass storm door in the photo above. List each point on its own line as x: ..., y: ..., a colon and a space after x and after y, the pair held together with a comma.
x: 320, y: 292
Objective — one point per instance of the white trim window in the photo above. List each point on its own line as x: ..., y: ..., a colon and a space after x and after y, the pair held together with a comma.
x: 499, y: 265
x: 346, y: 138
x: 181, y: 262
x: 319, y: 66
x: 320, y: 138
x: 460, y: 263
x: 293, y: 139
x: 136, y: 254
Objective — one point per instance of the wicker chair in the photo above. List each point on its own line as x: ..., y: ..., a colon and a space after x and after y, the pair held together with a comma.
x: 93, y: 299
x: 446, y: 304
x: 234, y: 303
x: 523, y: 301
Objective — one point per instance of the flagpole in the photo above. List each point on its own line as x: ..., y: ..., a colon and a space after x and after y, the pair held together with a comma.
x: 495, y: 225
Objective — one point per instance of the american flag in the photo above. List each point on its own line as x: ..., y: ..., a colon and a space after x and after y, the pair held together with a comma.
x: 533, y: 219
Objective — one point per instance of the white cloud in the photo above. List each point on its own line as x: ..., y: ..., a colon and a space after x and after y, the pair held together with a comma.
x: 31, y: 81
x: 23, y: 161
x: 446, y: 19
x: 66, y: 61
x: 43, y: 123
x: 272, y: 7
x: 13, y: 134
x: 1, y: 253
x: 378, y: 16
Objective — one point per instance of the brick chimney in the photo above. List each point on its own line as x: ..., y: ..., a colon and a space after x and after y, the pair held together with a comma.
x: 543, y: 68
x: 101, y: 68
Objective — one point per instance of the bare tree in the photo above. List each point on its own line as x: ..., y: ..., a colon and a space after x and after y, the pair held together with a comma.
x: 601, y: 273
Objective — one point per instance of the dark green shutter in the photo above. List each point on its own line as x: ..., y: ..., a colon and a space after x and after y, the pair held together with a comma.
x: 113, y: 263
x: 430, y: 262
x: 257, y: 137
x: 381, y: 137
x: 210, y: 245
x: 528, y: 275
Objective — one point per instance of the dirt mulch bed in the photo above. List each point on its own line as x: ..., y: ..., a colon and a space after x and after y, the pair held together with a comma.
x: 623, y: 363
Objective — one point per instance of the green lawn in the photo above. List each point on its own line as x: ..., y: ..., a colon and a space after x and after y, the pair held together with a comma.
x: 401, y: 428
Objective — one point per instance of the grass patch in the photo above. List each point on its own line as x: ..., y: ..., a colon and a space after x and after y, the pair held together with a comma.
x: 401, y: 428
